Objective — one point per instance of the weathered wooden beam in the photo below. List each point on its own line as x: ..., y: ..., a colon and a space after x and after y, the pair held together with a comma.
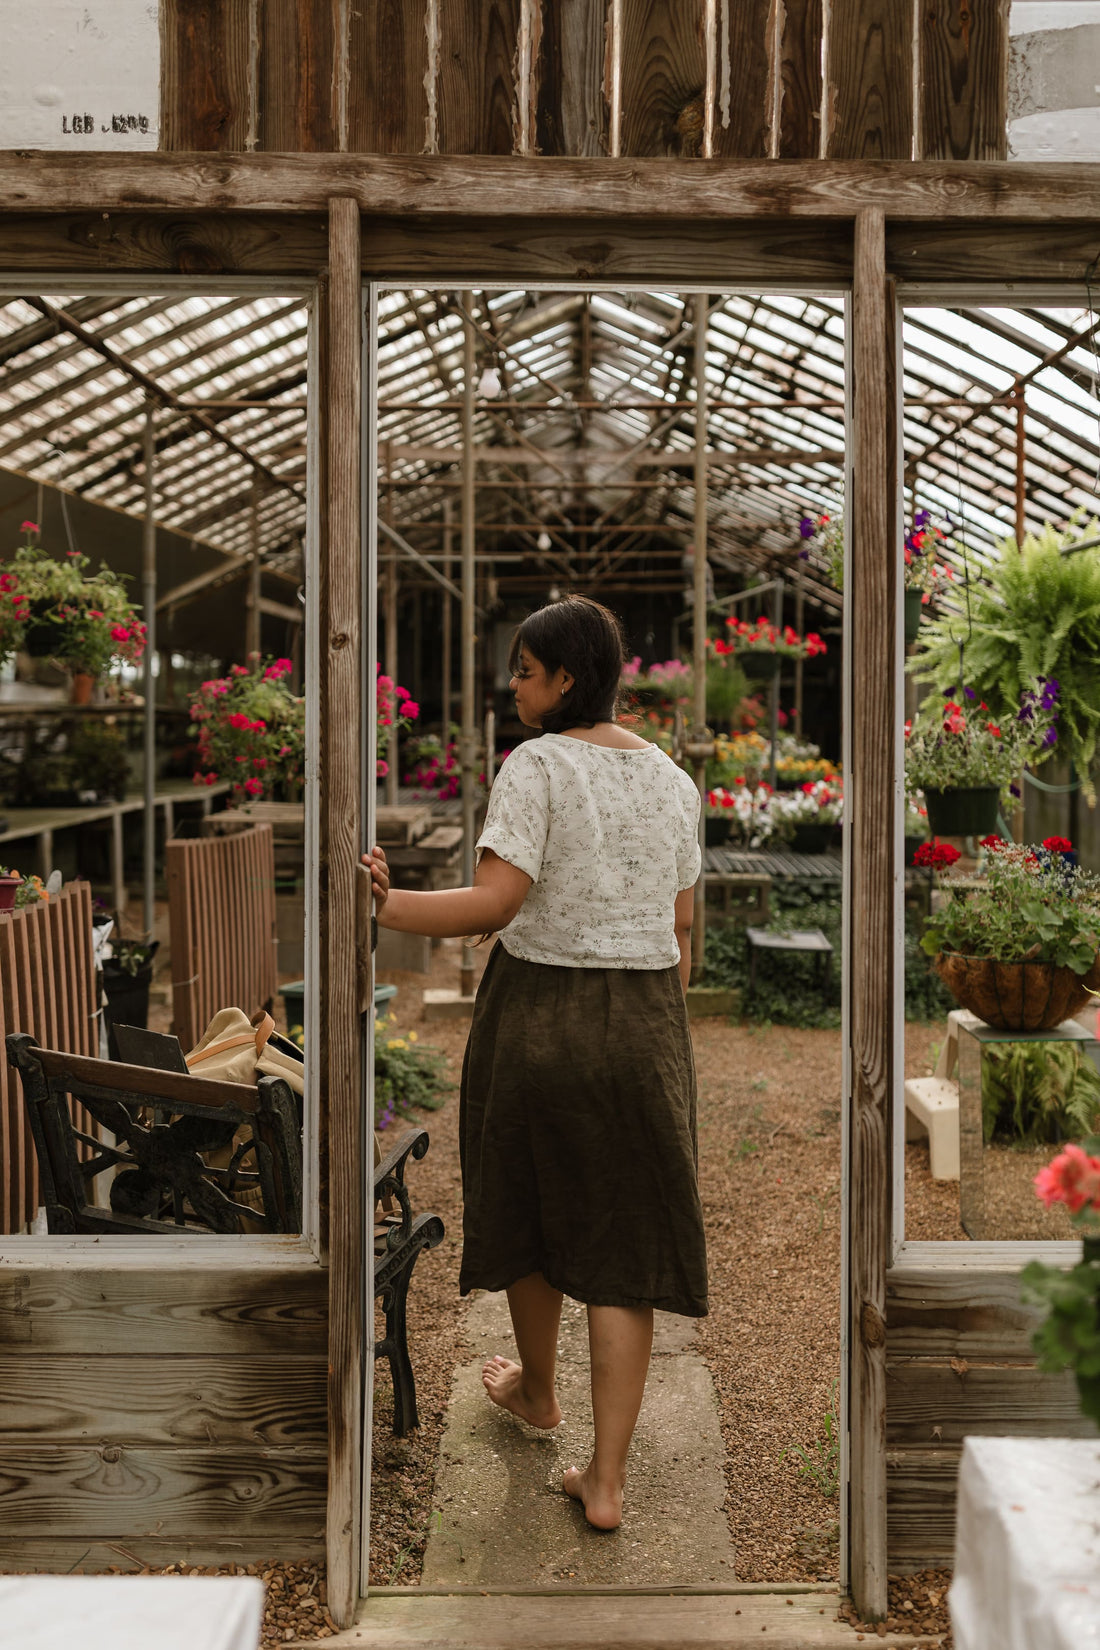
x: 341, y: 753
x: 799, y: 72
x: 571, y: 109
x: 388, y: 103
x: 963, y: 78
x: 872, y: 646
x: 670, y: 458
x: 537, y: 188
x: 869, y: 81
x: 474, y: 70
x: 207, y: 95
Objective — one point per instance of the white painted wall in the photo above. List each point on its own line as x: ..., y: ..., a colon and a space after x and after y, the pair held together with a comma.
x: 1054, y: 80
x: 79, y: 74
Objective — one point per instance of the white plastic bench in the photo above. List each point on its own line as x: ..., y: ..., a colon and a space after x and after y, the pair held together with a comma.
x: 932, y: 1103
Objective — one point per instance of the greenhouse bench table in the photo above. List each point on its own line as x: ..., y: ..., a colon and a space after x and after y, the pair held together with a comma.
x: 808, y: 940
x: 778, y: 866
x: 398, y: 1239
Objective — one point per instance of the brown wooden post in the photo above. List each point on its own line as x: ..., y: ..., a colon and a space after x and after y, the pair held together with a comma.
x: 872, y: 606
x: 340, y: 761
x: 252, y: 588
x: 448, y: 618
x: 1019, y: 398
x: 699, y: 734
x: 467, y: 744
x: 393, y: 752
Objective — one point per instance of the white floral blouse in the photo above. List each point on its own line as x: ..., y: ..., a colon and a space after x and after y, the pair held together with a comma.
x: 608, y: 837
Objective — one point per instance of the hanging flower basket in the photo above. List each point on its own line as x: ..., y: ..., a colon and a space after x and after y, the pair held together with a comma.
x: 914, y: 606
x: 1016, y: 996
x: 760, y: 667
x: 969, y: 811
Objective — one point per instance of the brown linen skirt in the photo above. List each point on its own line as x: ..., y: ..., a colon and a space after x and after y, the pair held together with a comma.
x: 578, y: 1136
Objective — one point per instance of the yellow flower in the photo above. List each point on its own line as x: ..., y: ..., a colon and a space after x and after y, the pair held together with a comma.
x: 412, y: 1036
x: 396, y: 1042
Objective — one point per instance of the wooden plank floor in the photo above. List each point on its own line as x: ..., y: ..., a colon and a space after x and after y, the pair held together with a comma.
x: 730, y: 1620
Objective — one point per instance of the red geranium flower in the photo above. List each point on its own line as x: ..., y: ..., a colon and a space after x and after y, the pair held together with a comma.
x: 1057, y: 845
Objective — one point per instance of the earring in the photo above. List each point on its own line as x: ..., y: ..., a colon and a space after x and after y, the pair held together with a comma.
x: 563, y: 693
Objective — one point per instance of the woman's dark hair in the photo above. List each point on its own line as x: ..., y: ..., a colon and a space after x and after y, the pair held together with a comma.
x: 585, y: 639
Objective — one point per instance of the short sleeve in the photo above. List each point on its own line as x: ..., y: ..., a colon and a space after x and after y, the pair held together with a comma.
x: 518, y: 815
x: 689, y: 857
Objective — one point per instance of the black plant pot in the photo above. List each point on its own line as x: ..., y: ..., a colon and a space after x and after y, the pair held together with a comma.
x: 811, y: 838
x: 914, y: 606
x: 963, y: 812
x: 717, y: 830
x: 127, y: 998
x: 759, y: 667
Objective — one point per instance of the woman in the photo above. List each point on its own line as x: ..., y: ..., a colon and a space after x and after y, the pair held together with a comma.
x: 578, y: 1088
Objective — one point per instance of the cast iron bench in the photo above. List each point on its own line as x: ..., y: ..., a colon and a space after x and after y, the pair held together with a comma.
x: 163, y: 1122
x: 398, y: 1239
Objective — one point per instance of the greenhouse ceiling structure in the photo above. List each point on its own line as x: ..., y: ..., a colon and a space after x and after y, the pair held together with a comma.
x: 584, y: 428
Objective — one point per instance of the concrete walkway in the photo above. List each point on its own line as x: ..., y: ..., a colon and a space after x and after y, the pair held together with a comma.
x: 503, y: 1519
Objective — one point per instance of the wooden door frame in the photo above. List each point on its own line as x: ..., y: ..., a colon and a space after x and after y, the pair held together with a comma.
x: 636, y: 222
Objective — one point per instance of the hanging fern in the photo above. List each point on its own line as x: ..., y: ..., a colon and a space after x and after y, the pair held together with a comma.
x: 1036, y: 614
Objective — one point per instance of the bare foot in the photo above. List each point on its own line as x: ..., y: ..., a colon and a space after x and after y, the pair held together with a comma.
x: 503, y: 1381
x: 603, y: 1508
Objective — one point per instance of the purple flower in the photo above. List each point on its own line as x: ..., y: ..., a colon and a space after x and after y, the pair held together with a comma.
x: 1050, y: 737
x: 803, y: 555
x: 1015, y: 790
x: 921, y: 518
x: 970, y: 694
x: 806, y: 527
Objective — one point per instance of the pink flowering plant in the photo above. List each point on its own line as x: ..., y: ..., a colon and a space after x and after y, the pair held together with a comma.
x: 250, y: 732
x: 396, y: 713
x: 59, y: 609
x: 1069, y: 1336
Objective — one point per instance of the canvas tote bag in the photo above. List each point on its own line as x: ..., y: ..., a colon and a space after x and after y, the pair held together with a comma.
x: 234, y: 1048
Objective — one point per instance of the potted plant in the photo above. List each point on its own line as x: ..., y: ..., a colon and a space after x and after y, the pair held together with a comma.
x: 1069, y: 1336
x: 17, y: 891
x: 99, y: 766
x: 965, y: 762
x: 250, y: 730
x: 923, y: 575
x: 127, y: 976
x: 395, y: 711
x: 83, y: 620
x: 806, y: 817
x: 1036, y: 612
x: 760, y: 648
x: 740, y: 812
x: 915, y: 828
x: 1020, y: 949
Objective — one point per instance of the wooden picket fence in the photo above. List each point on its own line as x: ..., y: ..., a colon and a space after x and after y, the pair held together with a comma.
x: 47, y: 988
x: 222, y: 926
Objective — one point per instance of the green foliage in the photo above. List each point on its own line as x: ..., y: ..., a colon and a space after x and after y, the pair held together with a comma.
x: 1069, y: 1336
x: 957, y: 745
x: 1036, y: 613
x: 405, y: 1075
x: 1032, y: 906
x: 787, y: 987
x: 1038, y: 1092
x: 98, y: 761
x: 821, y: 1462
x: 926, y: 996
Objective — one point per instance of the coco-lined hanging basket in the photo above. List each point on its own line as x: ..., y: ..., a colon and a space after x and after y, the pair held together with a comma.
x: 1017, y: 996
